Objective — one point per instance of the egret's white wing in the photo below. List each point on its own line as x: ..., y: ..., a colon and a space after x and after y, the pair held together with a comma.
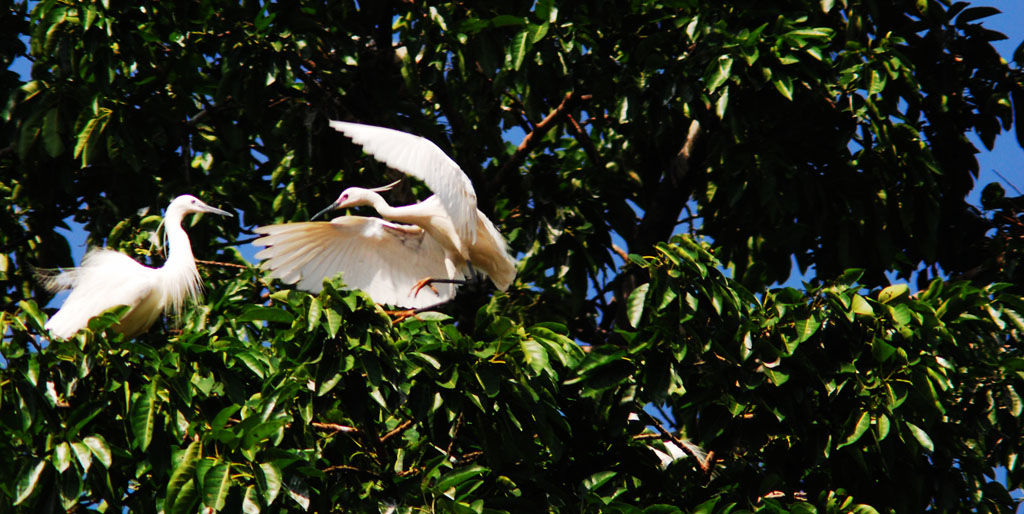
x: 107, y: 279
x: 419, y: 157
x: 383, y: 259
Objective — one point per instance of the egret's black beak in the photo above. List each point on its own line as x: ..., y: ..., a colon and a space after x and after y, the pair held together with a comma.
x: 327, y: 209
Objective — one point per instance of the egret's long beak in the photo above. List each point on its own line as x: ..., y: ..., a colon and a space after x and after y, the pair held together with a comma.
x: 327, y: 209
x: 214, y: 210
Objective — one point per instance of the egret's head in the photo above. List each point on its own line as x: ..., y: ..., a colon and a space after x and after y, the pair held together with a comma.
x: 187, y: 204
x: 354, y: 197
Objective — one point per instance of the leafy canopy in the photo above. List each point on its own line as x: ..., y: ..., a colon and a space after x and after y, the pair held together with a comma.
x: 655, y: 165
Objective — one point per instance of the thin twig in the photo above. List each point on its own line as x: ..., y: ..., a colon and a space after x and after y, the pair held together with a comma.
x: 455, y: 433
x: 335, y: 427
x: 622, y: 253
x: 584, y: 140
x: 222, y: 264
x: 396, y: 431
x: 703, y: 459
x: 345, y: 467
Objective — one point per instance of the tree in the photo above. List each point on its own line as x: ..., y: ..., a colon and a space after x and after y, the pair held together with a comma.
x: 715, y: 141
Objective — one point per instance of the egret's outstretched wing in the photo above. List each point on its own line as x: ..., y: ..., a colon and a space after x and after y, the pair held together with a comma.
x: 419, y: 157
x: 383, y: 259
x: 106, y: 279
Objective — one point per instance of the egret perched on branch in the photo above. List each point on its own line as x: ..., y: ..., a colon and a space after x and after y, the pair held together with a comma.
x: 107, y: 278
x: 442, y: 239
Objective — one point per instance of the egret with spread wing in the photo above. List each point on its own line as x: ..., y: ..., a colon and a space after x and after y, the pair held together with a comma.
x: 442, y: 239
x: 107, y: 278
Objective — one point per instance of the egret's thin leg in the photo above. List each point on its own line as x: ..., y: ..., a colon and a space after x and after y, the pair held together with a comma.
x: 402, y: 315
x: 431, y: 281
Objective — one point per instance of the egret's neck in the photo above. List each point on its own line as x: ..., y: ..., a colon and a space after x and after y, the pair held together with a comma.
x: 180, y: 275
x: 179, y: 248
x: 382, y: 206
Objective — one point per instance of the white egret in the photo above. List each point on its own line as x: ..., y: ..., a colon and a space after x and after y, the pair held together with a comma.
x: 442, y: 239
x: 107, y: 278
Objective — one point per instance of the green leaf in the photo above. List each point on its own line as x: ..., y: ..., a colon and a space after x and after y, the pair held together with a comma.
x: 892, y: 292
x: 805, y: 328
x: 635, y: 304
x: 143, y: 417
x: 535, y: 355
x: 51, y: 134
x: 28, y: 481
x: 37, y: 317
x: 921, y: 436
x: 313, y: 318
x: 261, y: 313
x: 858, y: 305
x: 270, y: 481
x: 722, y: 103
x: 216, y: 484
x: 520, y: 46
x: 333, y: 322
x: 826, y: 5
x: 882, y: 426
x: 598, y: 479
x: 89, y: 136
x: 83, y: 454
x: 62, y: 456
x: 785, y: 86
x: 183, y: 472
x: 99, y: 448
x: 186, y: 500
x: 863, y: 423
x: 458, y: 476
x: 251, y: 501
x: 719, y: 72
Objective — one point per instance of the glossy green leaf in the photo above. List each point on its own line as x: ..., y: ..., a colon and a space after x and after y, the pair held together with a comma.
x: 520, y: 46
x: 99, y: 448
x: 143, y: 417
x: 861, y: 426
x: 921, y: 436
x: 858, y: 305
x: 270, y: 481
x: 28, y: 480
x: 635, y: 304
x: 535, y: 355
x: 61, y: 456
x: 458, y: 476
x: 892, y: 292
x: 183, y: 472
x: 216, y: 485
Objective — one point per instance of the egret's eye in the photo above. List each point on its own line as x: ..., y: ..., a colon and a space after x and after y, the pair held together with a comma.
x: 344, y: 197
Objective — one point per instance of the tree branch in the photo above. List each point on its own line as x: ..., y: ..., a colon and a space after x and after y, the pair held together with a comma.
x: 396, y: 431
x: 584, y: 140
x: 534, y: 137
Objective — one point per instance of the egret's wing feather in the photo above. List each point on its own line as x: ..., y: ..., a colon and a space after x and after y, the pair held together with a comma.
x: 383, y: 259
x: 105, y: 279
x: 420, y: 158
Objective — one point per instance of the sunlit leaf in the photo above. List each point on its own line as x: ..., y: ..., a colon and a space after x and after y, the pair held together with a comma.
x: 635, y: 303
x: 921, y: 436
x: 28, y: 480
